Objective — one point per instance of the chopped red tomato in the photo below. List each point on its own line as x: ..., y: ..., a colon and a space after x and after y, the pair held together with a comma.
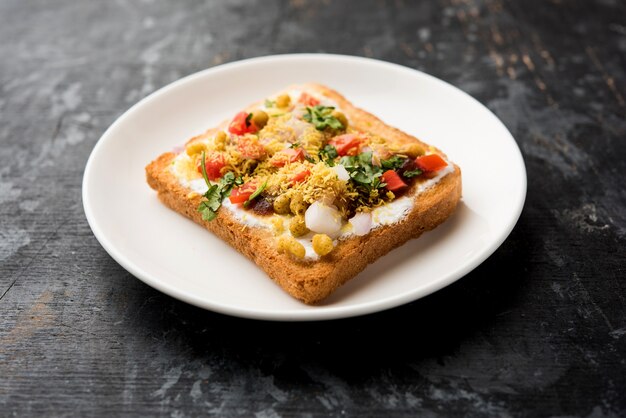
x: 301, y: 176
x: 432, y: 162
x: 242, y: 124
x: 308, y: 100
x: 347, y: 144
x: 242, y: 193
x: 393, y: 181
x: 287, y: 155
x: 250, y: 148
x: 214, y: 161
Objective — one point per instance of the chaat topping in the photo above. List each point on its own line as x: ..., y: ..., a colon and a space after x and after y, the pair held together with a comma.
x: 299, y: 160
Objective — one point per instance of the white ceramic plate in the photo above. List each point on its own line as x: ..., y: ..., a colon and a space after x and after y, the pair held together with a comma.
x: 181, y: 259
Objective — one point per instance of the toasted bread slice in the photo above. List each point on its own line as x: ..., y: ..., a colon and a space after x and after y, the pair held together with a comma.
x: 433, y: 199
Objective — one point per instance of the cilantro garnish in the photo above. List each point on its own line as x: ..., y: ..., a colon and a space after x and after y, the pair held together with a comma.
x: 397, y: 162
x: 328, y: 155
x: 362, y: 172
x: 203, y: 167
x: 393, y: 163
x: 412, y: 173
x: 295, y: 145
x: 270, y: 103
x: 254, y: 195
x: 321, y: 117
x: 248, y: 119
x: 216, y: 192
x: 208, y: 208
x: 228, y: 181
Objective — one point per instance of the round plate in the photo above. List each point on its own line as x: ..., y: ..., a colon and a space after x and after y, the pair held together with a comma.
x: 183, y: 260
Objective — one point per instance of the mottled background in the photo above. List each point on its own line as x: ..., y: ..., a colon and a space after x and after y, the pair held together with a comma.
x: 537, y: 330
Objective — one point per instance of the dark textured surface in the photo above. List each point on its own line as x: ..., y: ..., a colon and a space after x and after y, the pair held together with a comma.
x: 538, y: 330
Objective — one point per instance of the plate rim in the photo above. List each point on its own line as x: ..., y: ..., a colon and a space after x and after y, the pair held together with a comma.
x: 314, y: 313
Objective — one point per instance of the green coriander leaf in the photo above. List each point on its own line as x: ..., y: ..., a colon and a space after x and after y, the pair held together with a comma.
x: 208, y: 214
x: 334, y: 123
x: 328, y: 155
x: 365, y: 158
x: 203, y: 167
x: 208, y: 208
x: 393, y: 163
x: 364, y: 175
x: 216, y: 193
x: 361, y: 177
x: 321, y: 117
x: 213, y: 197
x: 254, y: 195
x: 228, y: 178
x: 248, y: 119
x: 348, y: 162
x: 331, y: 151
x: 294, y: 145
x: 412, y: 173
x: 228, y: 181
x: 270, y: 103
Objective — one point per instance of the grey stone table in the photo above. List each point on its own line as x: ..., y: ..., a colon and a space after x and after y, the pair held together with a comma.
x: 539, y: 329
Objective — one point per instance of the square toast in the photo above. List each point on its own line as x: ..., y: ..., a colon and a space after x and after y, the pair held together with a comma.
x: 309, y: 187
